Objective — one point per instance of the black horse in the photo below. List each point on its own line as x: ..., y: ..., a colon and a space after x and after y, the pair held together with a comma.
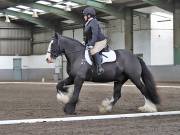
x: 127, y: 66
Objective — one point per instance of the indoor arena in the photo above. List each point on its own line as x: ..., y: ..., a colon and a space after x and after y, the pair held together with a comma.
x: 89, y: 67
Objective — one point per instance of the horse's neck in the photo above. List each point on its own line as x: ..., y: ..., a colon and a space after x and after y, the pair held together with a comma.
x: 73, y: 52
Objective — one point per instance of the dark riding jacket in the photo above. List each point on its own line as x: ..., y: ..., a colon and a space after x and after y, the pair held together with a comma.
x: 92, y: 32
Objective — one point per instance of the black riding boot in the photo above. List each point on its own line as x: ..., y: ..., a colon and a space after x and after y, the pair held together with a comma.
x: 97, y: 59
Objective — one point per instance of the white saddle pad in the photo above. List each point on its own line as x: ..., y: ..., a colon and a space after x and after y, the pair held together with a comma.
x: 106, y: 57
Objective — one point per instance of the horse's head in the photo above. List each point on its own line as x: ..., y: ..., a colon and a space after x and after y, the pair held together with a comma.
x: 54, y: 49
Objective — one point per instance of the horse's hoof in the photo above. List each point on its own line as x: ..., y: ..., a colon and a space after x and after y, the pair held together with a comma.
x: 147, y: 109
x: 64, y: 98
x: 105, y: 107
x: 69, y: 109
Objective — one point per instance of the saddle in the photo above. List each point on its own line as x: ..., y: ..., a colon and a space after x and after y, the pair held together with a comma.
x: 107, y: 55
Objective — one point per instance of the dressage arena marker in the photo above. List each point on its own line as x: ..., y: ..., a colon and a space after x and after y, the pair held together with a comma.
x: 90, y: 84
x: 85, y: 118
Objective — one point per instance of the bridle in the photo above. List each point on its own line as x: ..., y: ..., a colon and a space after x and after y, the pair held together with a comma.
x: 50, y: 48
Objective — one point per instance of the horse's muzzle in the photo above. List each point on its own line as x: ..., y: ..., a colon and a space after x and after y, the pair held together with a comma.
x: 49, y: 60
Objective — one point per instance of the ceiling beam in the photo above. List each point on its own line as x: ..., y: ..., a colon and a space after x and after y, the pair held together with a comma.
x: 106, y: 8
x: 12, y: 3
x: 164, y: 4
x: 22, y: 1
x: 140, y: 13
x: 29, y: 18
x: 102, y: 20
x: 68, y: 15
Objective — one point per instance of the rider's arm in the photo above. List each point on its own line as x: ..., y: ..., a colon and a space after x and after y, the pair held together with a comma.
x: 85, y: 40
x: 94, y: 29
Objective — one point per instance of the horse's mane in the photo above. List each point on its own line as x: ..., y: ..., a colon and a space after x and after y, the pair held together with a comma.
x: 73, y: 40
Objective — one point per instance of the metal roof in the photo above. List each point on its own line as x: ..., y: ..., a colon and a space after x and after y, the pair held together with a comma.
x: 65, y: 12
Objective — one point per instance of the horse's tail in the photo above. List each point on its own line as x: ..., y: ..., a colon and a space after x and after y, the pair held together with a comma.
x: 149, y: 82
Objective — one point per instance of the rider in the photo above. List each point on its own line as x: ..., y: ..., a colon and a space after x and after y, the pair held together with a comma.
x: 93, y: 36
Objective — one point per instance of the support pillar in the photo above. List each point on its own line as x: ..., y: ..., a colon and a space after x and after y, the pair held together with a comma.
x: 58, y: 71
x: 177, y: 32
x: 128, y: 26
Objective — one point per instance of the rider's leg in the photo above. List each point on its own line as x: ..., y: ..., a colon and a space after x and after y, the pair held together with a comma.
x: 97, y: 60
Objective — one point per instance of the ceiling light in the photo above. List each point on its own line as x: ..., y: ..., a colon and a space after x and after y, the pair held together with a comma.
x: 35, y: 15
x: 7, y: 19
x: 67, y: 8
x: 43, y: 2
x: 71, y: 4
x: 59, y: 6
x: 28, y: 12
x: 39, y: 11
x: 23, y: 7
x: 56, y: 0
x: 106, y: 1
x: 14, y: 9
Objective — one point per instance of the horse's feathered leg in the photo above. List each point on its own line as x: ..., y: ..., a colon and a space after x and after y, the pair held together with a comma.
x: 63, y: 94
x: 61, y: 84
x: 107, y: 104
x: 71, y: 105
x: 149, y: 83
x: 117, y: 90
x: 149, y: 105
x: 148, y: 88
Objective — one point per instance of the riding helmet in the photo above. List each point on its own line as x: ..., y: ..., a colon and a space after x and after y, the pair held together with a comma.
x: 89, y: 11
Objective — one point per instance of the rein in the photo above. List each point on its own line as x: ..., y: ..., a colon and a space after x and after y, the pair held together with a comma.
x: 70, y: 52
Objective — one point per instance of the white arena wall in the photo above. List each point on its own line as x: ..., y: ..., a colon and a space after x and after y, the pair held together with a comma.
x: 28, y: 62
x: 161, y: 39
x: 33, y: 68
